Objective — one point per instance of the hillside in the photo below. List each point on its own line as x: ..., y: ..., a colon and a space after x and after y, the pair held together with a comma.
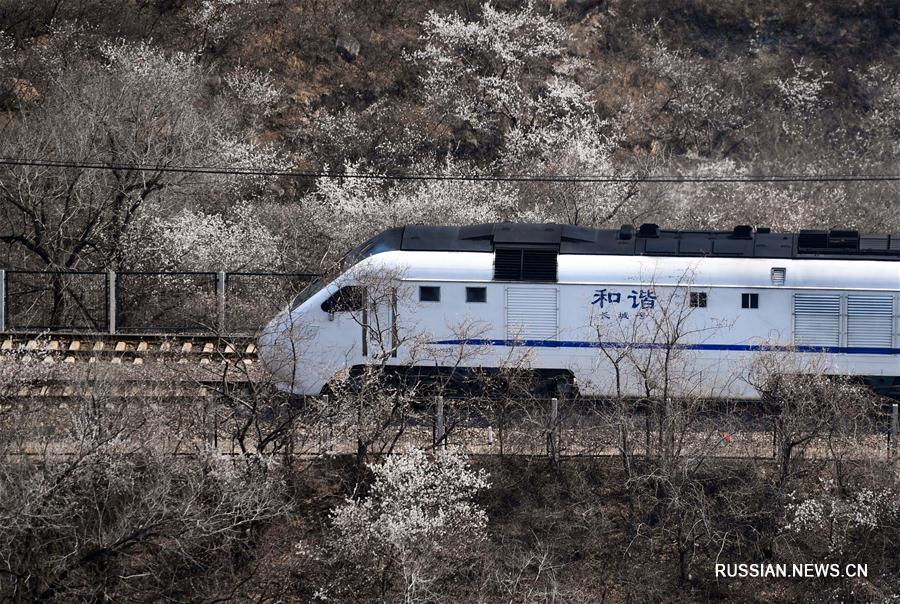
x: 456, y: 88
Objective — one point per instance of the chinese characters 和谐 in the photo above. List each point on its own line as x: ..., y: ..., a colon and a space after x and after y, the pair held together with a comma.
x: 643, y: 298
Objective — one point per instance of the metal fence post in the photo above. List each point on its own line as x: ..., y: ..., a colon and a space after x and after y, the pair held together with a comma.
x: 553, y: 431
x: 220, y: 301
x: 2, y: 300
x: 324, y: 440
x: 439, y: 432
x: 774, y: 437
x: 892, y: 449
x: 330, y: 427
x: 647, y: 435
x: 207, y: 425
x: 111, y: 302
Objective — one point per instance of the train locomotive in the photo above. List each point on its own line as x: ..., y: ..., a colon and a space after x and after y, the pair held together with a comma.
x: 600, y: 307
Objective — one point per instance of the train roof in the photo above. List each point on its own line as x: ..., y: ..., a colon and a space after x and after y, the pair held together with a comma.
x: 647, y: 240
x: 788, y: 273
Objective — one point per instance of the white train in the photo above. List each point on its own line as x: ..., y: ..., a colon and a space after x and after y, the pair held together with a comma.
x: 624, y: 312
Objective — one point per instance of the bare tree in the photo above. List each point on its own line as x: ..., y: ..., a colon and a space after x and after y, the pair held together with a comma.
x: 142, y: 107
x: 96, y: 504
x: 646, y: 354
x: 811, y: 411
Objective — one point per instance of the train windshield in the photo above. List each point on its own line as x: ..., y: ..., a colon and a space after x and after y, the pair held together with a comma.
x: 383, y: 242
x: 386, y: 241
x: 311, y: 289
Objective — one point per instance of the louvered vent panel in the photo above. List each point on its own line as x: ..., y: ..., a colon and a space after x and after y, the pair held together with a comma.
x: 507, y: 264
x: 869, y: 321
x: 872, y: 243
x: 812, y: 240
x: 532, y: 313
x: 817, y: 320
x: 539, y: 265
x: 517, y: 264
x: 778, y: 275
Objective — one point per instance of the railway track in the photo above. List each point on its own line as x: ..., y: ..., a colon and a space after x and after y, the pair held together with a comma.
x: 128, y: 349
x: 64, y: 366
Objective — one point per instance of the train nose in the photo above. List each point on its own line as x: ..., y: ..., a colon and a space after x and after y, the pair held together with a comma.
x: 274, y: 344
x: 287, y: 348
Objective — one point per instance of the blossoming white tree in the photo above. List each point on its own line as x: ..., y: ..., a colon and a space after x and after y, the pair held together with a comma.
x: 882, y: 121
x: 703, y: 100
x: 487, y: 72
x: 829, y: 522
x: 418, y: 522
x: 217, y: 19
x: 365, y: 206
x: 801, y: 95
x: 566, y: 138
x: 139, y: 106
x: 193, y: 240
x: 254, y: 88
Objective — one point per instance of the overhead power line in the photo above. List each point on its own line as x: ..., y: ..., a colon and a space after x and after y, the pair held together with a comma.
x: 575, y: 178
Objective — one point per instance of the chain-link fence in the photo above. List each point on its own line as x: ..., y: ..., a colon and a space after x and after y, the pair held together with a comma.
x: 170, y: 303
x: 35, y: 301
x: 254, y: 298
x: 568, y: 428
x: 144, y: 302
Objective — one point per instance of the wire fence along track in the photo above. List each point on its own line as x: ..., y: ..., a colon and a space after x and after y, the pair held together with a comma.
x: 212, y: 375
x: 529, y: 436
x: 152, y: 303
x: 521, y: 440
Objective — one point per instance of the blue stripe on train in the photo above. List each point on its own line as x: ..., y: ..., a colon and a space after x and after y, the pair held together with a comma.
x: 660, y: 346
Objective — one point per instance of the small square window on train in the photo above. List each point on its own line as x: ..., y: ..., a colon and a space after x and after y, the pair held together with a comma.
x: 749, y: 300
x: 428, y: 293
x: 476, y: 294
x: 698, y: 299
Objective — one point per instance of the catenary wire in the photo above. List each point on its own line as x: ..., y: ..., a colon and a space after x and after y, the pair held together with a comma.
x: 576, y: 178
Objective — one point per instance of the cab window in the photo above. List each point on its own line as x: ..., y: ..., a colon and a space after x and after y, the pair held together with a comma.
x: 347, y: 299
x: 429, y: 293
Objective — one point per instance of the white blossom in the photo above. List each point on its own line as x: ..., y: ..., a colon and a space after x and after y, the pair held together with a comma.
x: 803, y: 90
x: 7, y: 43
x: 832, y: 519
x: 146, y: 63
x: 801, y: 93
x: 193, y: 240
x: 783, y: 207
x: 419, y: 514
x: 66, y: 40
x: 363, y: 206
x: 218, y: 17
x: 348, y: 131
x: 240, y: 154
x: 474, y: 69
x: 254, y: 88
x: 881, y: 125
x: 697, y: 91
